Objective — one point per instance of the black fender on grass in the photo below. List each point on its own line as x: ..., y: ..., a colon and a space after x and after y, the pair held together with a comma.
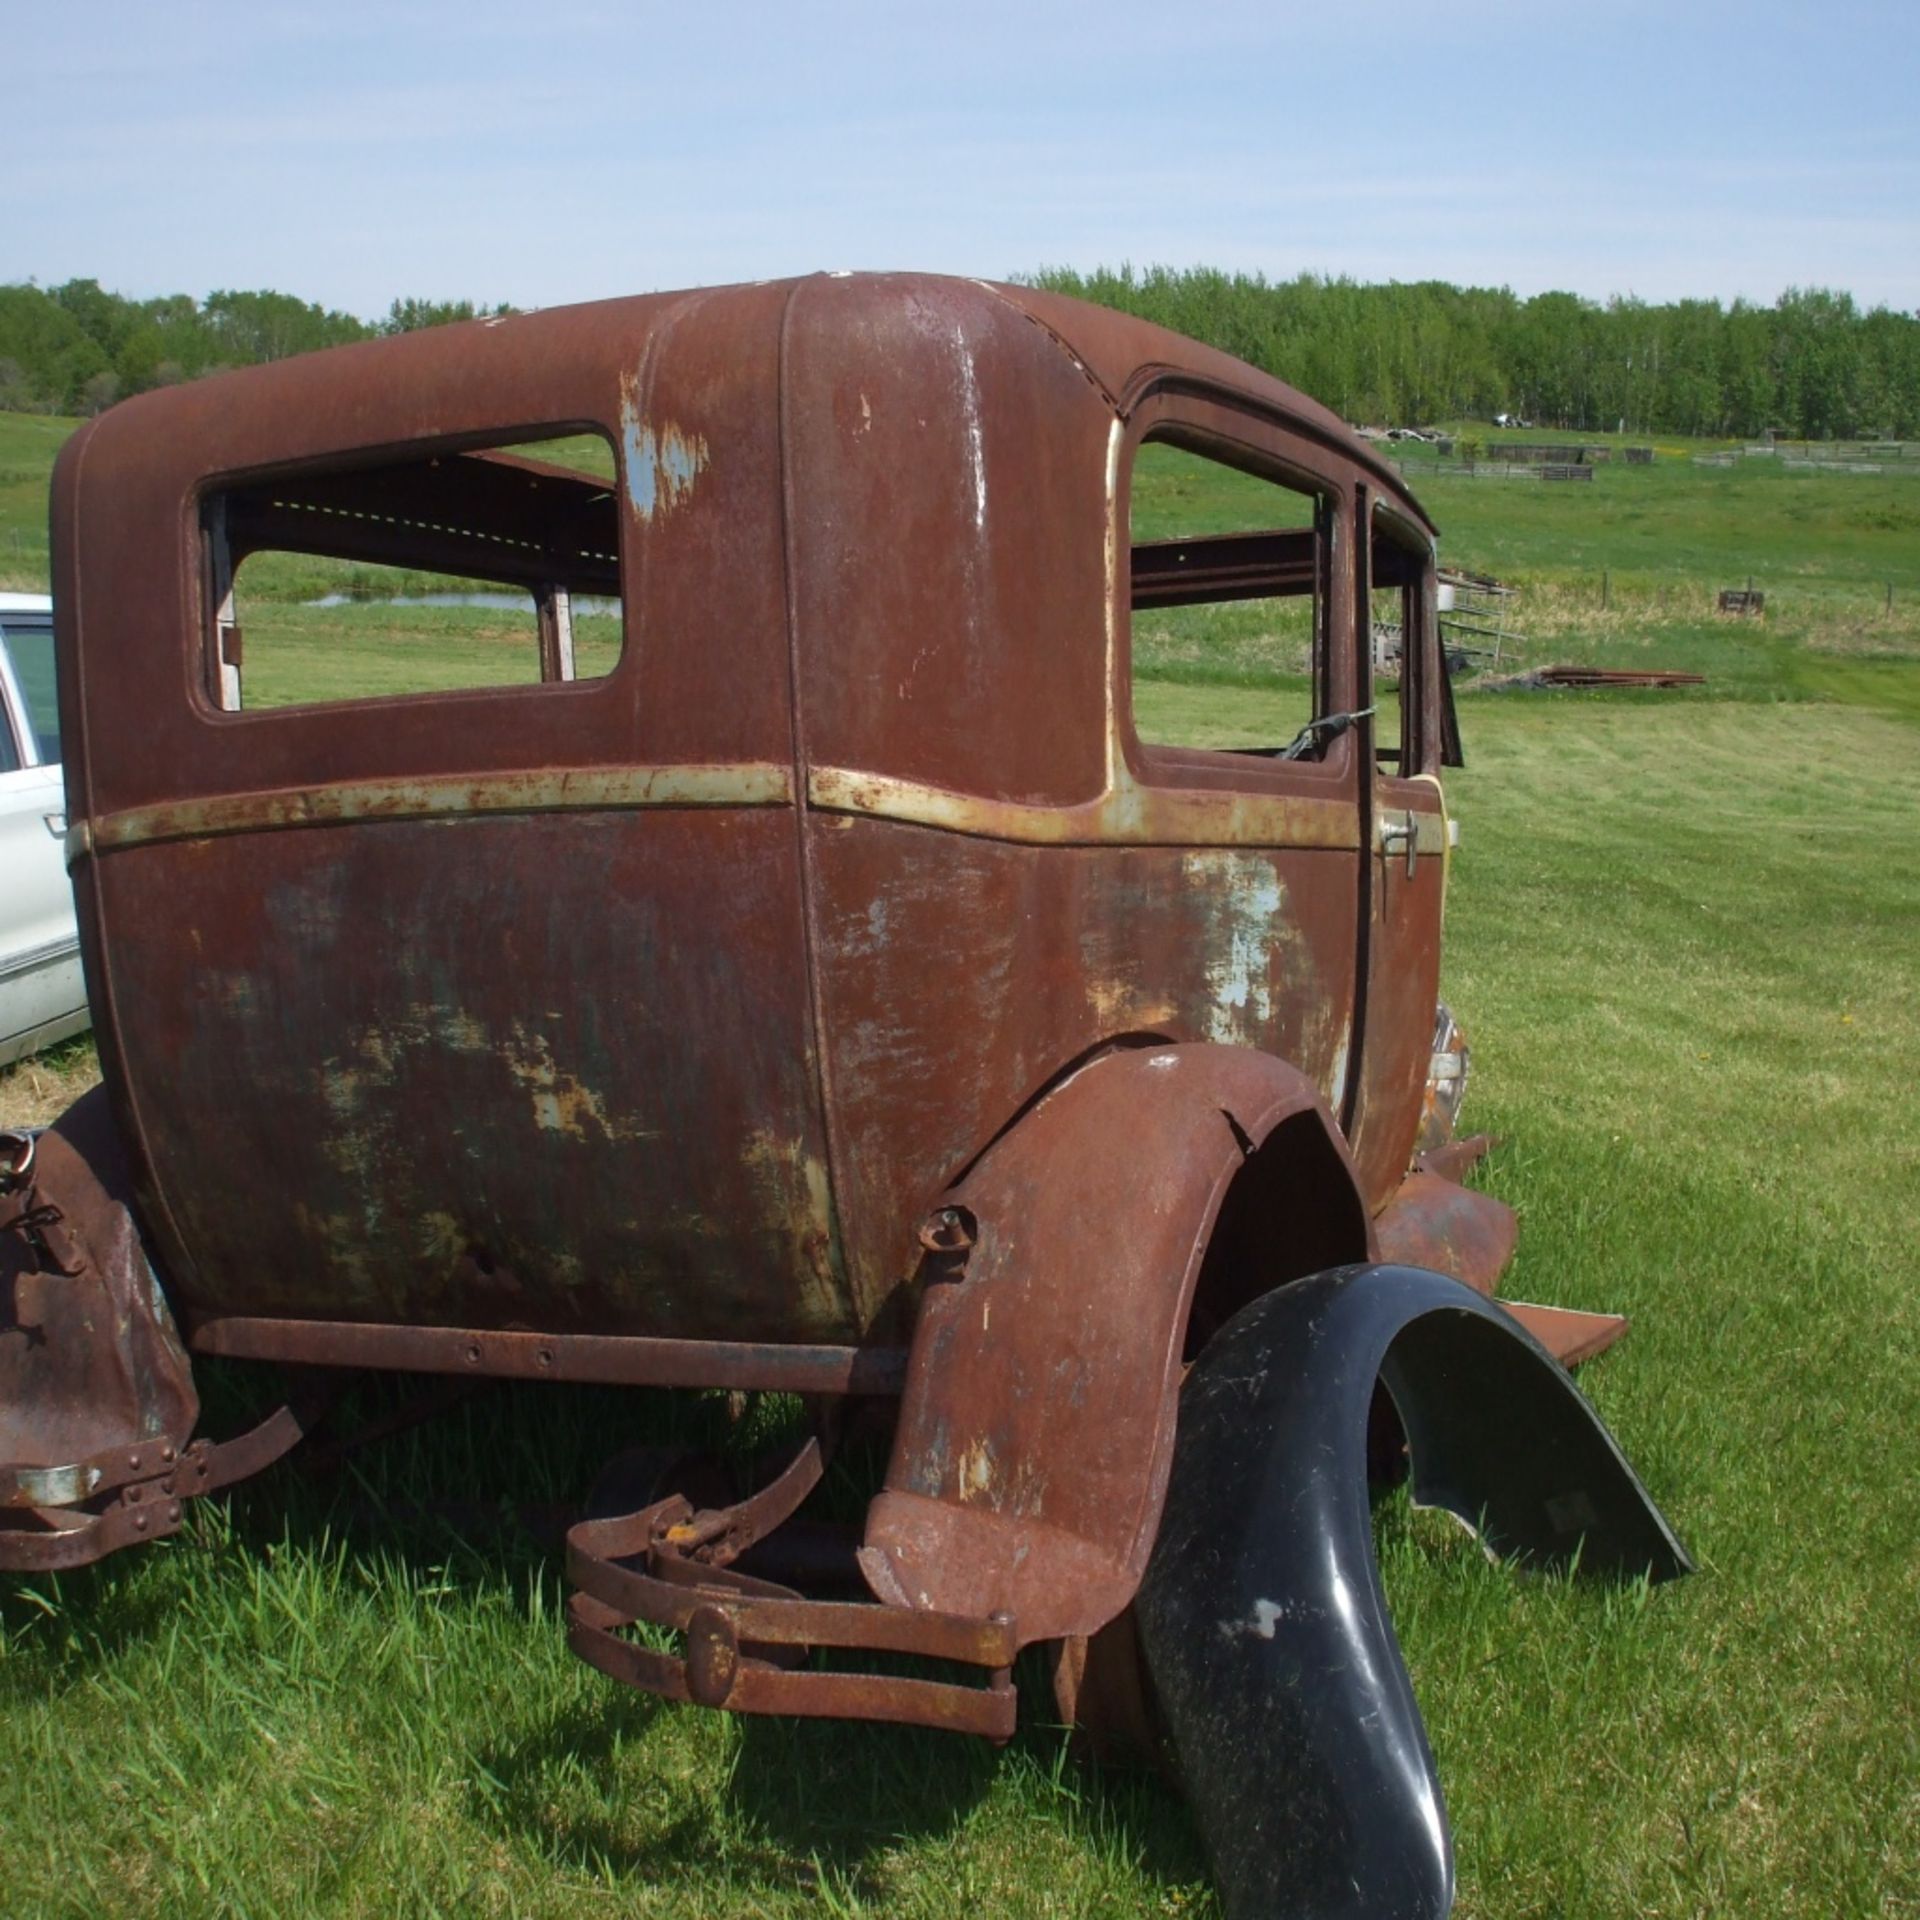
x: 1261, y: 1615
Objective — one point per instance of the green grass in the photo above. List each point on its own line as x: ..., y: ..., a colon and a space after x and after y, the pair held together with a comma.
x: 28, y: 444
x: 1621, y: 572
x: 297, y: 653
x: 1686, y: 962
x: 1799, y: 534
x: 1675, y: 937
x: 1680, y: 937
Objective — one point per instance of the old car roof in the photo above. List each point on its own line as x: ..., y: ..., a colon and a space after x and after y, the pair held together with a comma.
x: 1116, y: 351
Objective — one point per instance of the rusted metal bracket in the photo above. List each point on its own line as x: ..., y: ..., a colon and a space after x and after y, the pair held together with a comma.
x: 746, y: 1639
x: 137, y: 1495
x: 39, y: 1223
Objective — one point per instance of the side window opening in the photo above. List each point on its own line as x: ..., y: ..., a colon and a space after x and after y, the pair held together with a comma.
x: 1230, y: 573
x: 1396, y: 613
x: 432, y: 571
x: 1415, y: 726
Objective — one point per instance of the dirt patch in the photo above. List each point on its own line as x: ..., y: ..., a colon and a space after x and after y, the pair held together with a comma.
x: 34, y: 1091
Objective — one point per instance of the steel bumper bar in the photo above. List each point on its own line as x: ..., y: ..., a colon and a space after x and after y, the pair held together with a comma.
x: 746, y: 1641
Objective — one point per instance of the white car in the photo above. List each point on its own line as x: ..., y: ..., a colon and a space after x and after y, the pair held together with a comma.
x: 42, y: 996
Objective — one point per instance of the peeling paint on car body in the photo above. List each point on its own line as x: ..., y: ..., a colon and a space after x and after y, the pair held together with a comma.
x: 662, y: 463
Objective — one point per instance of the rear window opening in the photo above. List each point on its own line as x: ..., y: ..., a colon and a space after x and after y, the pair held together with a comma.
x: 436, y: 572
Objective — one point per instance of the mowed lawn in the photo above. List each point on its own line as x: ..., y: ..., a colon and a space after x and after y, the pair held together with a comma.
x: 1681, y: 936
x: 1682, y: 943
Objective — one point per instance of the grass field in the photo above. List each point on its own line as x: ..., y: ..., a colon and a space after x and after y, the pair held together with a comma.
x: 1681, y: 937
x: 28, y: 443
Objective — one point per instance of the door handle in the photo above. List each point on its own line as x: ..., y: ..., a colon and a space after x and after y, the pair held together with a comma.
x: 1406, y: 829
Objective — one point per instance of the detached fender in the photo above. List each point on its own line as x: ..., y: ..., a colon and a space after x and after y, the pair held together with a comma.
x: 1036, y: 1430
x: 1261, y: 1616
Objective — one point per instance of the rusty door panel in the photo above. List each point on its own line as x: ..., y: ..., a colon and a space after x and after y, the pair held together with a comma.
x: 536, y: 1071
x: 959, y: 975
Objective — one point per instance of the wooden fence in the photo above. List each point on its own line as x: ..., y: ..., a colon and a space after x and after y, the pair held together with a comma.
x: 1488, y: 470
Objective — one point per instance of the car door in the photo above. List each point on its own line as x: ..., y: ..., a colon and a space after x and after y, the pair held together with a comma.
x: 1407, y: 856
x: 1241, y: 580
x: 42, y: 997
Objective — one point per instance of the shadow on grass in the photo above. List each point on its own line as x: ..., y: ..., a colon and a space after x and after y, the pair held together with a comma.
x: 802, y: 1803
x: 81, y: 1622
x: 473, y: 1500
x: 471, y: 1505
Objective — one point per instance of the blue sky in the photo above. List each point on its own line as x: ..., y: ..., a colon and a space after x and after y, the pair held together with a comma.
x: 569, y: 149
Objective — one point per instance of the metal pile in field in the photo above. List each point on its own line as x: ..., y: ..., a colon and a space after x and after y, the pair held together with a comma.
x: 1567, y: 676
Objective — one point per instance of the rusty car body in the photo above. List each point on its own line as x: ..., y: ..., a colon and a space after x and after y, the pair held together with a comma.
x: 838, y: 992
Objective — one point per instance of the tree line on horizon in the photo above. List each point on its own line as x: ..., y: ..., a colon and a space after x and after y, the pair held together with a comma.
x: 77, y: 348
x: 1813, y: 365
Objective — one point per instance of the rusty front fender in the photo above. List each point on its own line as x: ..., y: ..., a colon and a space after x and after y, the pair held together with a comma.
x: 1154, y: 1186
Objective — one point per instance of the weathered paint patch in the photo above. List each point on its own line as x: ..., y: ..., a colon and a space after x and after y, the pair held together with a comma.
x: 460, y: 1031
x: 1266, y: 1617
x: 1119, y: 1004
x: 1336, y: 1086
x: 976, y: 455
x: 796, y: 1211
x: 976, y: 1471
x: 662, y: 462
x: 981, y: 1479
x: 562, y: 1102
x: 343, y: 1244
x: 441, y: 1239
x: 1247, y: 904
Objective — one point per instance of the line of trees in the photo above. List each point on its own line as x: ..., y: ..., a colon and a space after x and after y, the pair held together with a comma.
x: 1812, y: 365
x: 76, y: 348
